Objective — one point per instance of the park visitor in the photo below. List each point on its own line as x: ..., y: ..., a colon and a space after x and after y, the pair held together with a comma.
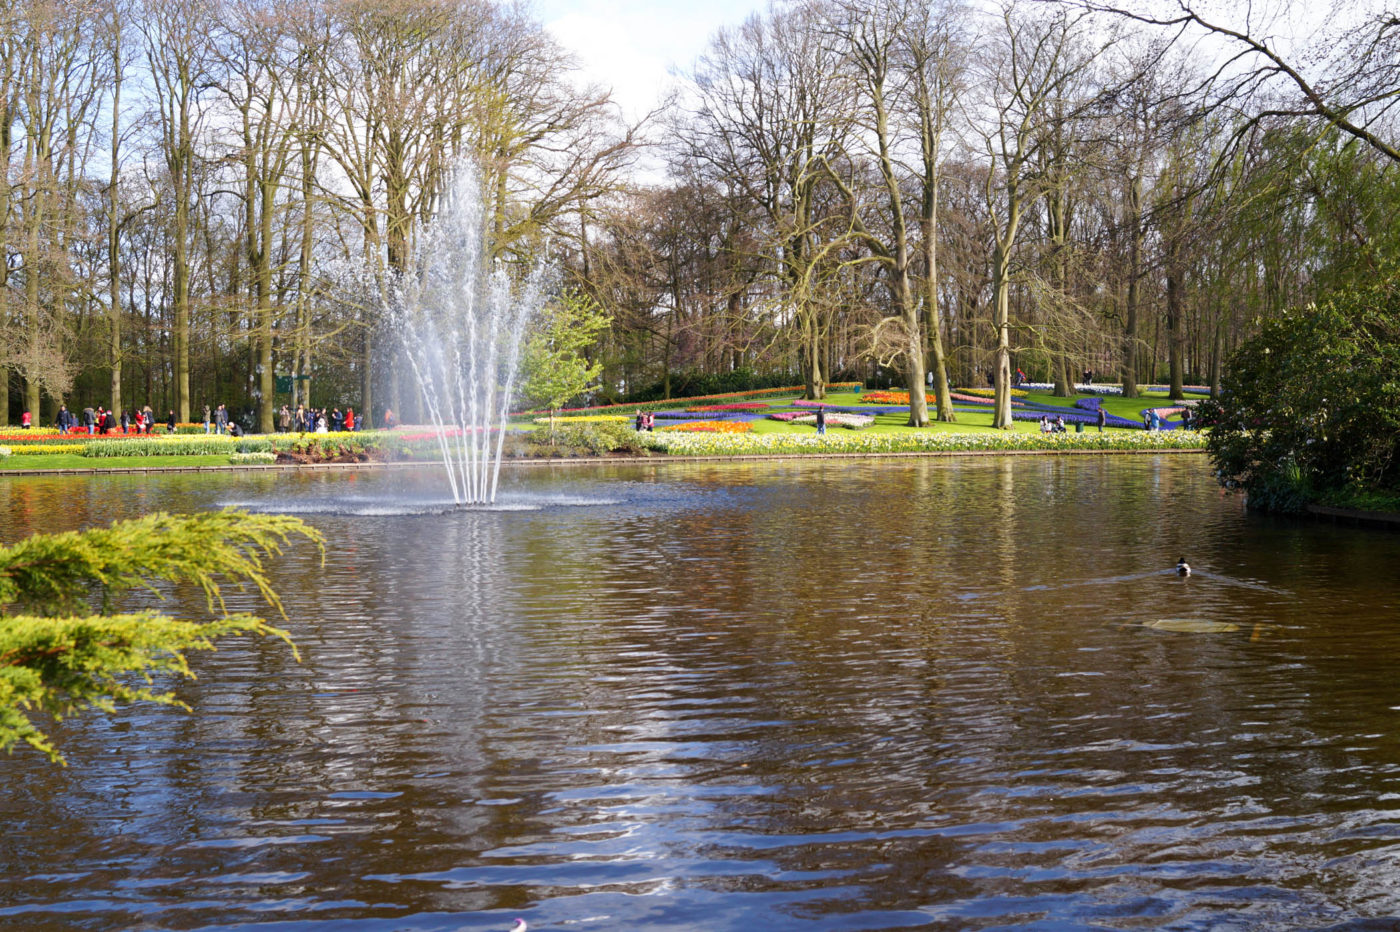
x: 821, y: 419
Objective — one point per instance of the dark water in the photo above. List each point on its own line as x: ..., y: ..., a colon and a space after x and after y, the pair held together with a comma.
x: 783, y: 696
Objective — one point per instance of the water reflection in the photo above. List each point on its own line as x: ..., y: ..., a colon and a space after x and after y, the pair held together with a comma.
x: 807, y: 695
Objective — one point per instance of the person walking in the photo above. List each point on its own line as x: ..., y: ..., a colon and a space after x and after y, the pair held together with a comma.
x: 24, y: 420
x: 170, y: 423
x: 821, y: 419
x: 350, y: 419
x: 208, y: 426
x: 62, y: 420
x: 1102, y: 416
x: 90, y: 420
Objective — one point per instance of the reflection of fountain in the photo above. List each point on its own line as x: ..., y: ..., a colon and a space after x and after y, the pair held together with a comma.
x: 461, y: 324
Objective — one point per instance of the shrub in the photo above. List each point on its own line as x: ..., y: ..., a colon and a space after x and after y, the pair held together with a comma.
x: 1310, y: 407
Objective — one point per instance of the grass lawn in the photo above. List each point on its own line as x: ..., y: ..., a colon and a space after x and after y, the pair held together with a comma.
x: 76, y: 461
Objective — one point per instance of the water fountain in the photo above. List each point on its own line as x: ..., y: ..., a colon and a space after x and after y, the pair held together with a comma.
x: 461, y: 323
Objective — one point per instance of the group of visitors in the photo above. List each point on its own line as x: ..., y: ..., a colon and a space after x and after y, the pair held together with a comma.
x: 645, y: 420
x: 1154, y: 421
x: 100, y: 420
x: 1047, y: 426
x: 311, y: 420
x: 216, y: 421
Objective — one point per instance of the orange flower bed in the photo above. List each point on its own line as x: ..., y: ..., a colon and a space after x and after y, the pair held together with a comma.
x: 712, y: 427
x: 885, y: 398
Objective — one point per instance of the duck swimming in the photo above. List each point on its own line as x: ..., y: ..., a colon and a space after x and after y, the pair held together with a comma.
x: 1182, y: 567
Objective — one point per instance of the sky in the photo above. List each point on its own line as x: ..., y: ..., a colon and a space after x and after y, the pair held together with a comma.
x: 634, y: 46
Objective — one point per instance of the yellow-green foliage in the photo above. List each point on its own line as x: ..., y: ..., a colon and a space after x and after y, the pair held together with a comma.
x: 58, y: 658
x: 176, y: 445
x: 34, y: 449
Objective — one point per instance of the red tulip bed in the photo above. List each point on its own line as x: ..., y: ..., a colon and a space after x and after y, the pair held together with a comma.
x: 712, y: 427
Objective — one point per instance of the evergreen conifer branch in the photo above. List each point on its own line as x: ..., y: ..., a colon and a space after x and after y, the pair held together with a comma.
x: 57, y: 658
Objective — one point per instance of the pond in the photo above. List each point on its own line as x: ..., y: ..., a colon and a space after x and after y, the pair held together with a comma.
x: 937, y: 694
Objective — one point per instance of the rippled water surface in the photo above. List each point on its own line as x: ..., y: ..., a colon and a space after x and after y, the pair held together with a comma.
x: 902, y: 694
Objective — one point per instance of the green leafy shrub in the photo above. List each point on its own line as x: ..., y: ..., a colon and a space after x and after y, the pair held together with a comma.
x: 1310, y: 406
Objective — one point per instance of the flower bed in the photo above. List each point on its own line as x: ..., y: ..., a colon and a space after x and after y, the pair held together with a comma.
x: 39, y: 449
x: 692, y: 416
x: 917, y: 442
x: 738, y: 406
x: 674, y: 402
x: 990, y: 392
x: 264, y: 457
x: 712, y: 427
x: 1092, y: 405
x: 178, y: 445
x: 846, y: 419
x: 584, y: 419
x: 885, y: 398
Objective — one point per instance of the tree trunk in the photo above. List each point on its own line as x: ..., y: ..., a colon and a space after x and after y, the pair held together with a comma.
x: 1130, y: 316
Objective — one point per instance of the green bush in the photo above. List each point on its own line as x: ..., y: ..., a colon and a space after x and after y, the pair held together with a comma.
x: 1310, y: 406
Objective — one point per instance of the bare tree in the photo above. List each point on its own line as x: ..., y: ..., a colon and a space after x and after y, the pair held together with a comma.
x: 180, y: 57
x: 770, y: 121
x: 1041, y: 56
